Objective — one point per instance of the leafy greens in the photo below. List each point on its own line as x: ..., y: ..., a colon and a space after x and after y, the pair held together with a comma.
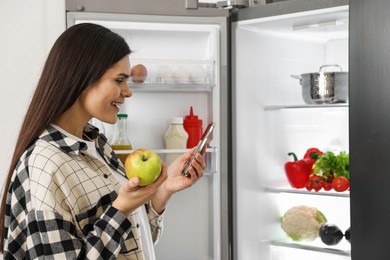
x: 330, y: 164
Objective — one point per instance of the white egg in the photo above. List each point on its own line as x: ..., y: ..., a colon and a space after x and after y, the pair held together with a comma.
x: 165, y: 75
x: 182, y: 75
x: 198, y: 74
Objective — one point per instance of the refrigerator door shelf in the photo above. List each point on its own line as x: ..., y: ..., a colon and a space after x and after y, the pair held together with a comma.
x: 210, y: 156
x: 177, y: 72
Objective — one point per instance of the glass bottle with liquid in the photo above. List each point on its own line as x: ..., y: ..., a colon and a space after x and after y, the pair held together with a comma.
x: 120, y: 141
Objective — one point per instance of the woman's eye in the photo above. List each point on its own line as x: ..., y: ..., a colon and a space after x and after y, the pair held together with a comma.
x: 119, y: 81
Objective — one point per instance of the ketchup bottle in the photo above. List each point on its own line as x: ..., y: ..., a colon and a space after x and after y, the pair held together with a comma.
x: 193, y: 125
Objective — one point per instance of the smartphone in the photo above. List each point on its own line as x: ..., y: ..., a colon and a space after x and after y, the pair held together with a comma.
x: 199, y: 147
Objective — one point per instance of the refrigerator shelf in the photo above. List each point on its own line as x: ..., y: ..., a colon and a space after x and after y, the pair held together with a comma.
x: 312, y: 248
x: 210, y: 156
x: 304, y: 106
x: 305, y: 192
x: 171, y: 87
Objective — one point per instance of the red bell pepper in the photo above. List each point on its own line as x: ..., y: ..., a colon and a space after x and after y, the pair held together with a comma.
x: 311, y: 157
x: 297, y: 172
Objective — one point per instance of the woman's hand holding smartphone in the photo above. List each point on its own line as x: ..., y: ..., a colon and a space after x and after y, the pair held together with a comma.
x: 199, y: 147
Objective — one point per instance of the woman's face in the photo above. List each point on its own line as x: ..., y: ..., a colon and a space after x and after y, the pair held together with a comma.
x: 103, y: 99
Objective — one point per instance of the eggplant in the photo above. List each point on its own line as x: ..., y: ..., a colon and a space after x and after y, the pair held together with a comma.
x: 330, y: 234
x: 347, y: 235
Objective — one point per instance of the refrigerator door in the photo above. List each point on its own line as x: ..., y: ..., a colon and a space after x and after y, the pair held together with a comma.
x: 173, y: 35
x: 370, y: 127
x: 270, y: 119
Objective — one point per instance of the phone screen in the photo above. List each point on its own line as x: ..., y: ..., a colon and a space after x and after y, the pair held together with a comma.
x: 199, y: 147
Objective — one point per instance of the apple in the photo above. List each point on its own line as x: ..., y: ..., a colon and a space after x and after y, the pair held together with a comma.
x: 144, y: 164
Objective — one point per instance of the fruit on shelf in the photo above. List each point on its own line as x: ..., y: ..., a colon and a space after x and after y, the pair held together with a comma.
x: 330, y: 234
x: 313, y: 153
x: 302, y: 223
x: 297, y: 172
x: 311, y: 156
x: 340, y: 184
x: 327, y: 186
x: 138, y: 73
x: 315, y: 182
x: 319, y: 170
x: 144, y: 164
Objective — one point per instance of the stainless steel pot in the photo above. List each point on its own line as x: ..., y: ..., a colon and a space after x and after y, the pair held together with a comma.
x: 324, y: 87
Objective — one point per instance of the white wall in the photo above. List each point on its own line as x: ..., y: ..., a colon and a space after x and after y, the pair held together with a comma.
x: 27, y: 31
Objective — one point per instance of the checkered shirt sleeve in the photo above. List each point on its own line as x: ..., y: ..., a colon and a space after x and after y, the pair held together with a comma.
x: 42, y: 222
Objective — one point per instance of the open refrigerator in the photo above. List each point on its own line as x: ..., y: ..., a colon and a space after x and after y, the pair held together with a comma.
x: 248, y: 56
x: 271, y: 119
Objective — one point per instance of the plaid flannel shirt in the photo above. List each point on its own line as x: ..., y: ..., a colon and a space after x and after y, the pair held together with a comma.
x: 59, y: 204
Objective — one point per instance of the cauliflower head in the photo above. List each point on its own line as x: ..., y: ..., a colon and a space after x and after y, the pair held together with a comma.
x: 302, y: 223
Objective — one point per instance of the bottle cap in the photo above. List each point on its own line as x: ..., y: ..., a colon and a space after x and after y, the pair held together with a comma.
x: 121, y: 115
x: 192, y: 120
x: 177, y: 120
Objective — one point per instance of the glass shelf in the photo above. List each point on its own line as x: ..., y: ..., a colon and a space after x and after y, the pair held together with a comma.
x: 327, y: 250
x: 149, y: 87
x: 210, y: 156
x: 306, y: 192
x: 304, y: 106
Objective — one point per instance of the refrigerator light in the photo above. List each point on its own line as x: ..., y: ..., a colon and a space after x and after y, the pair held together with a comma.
x: 318, y: 25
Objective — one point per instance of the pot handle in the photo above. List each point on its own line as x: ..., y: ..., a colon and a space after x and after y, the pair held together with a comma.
x: 296, y: 77
x: 331, y: 65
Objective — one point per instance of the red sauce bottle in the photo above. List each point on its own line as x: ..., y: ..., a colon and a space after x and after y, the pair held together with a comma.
x: 193, y: 125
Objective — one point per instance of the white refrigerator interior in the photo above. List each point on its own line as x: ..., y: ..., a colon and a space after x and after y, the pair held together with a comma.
x: 171, y: 52
x: 271, y: 120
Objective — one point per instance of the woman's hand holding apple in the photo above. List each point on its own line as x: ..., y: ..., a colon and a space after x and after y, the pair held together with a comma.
x: 131, y: 195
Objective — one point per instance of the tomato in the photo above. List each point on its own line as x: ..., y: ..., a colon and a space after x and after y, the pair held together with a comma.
x: 318, y: 185
x: 309, y: 185
x: 318, y: 182
x: 327, y: 186
x: 340, y: 184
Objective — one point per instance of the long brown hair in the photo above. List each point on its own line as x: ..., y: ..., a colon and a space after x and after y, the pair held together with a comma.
x: 79, y: 57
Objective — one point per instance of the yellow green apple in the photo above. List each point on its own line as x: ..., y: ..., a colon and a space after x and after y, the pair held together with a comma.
x: 144, y: 164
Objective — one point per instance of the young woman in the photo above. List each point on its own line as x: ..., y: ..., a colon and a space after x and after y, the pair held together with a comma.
x: 63, y: 197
